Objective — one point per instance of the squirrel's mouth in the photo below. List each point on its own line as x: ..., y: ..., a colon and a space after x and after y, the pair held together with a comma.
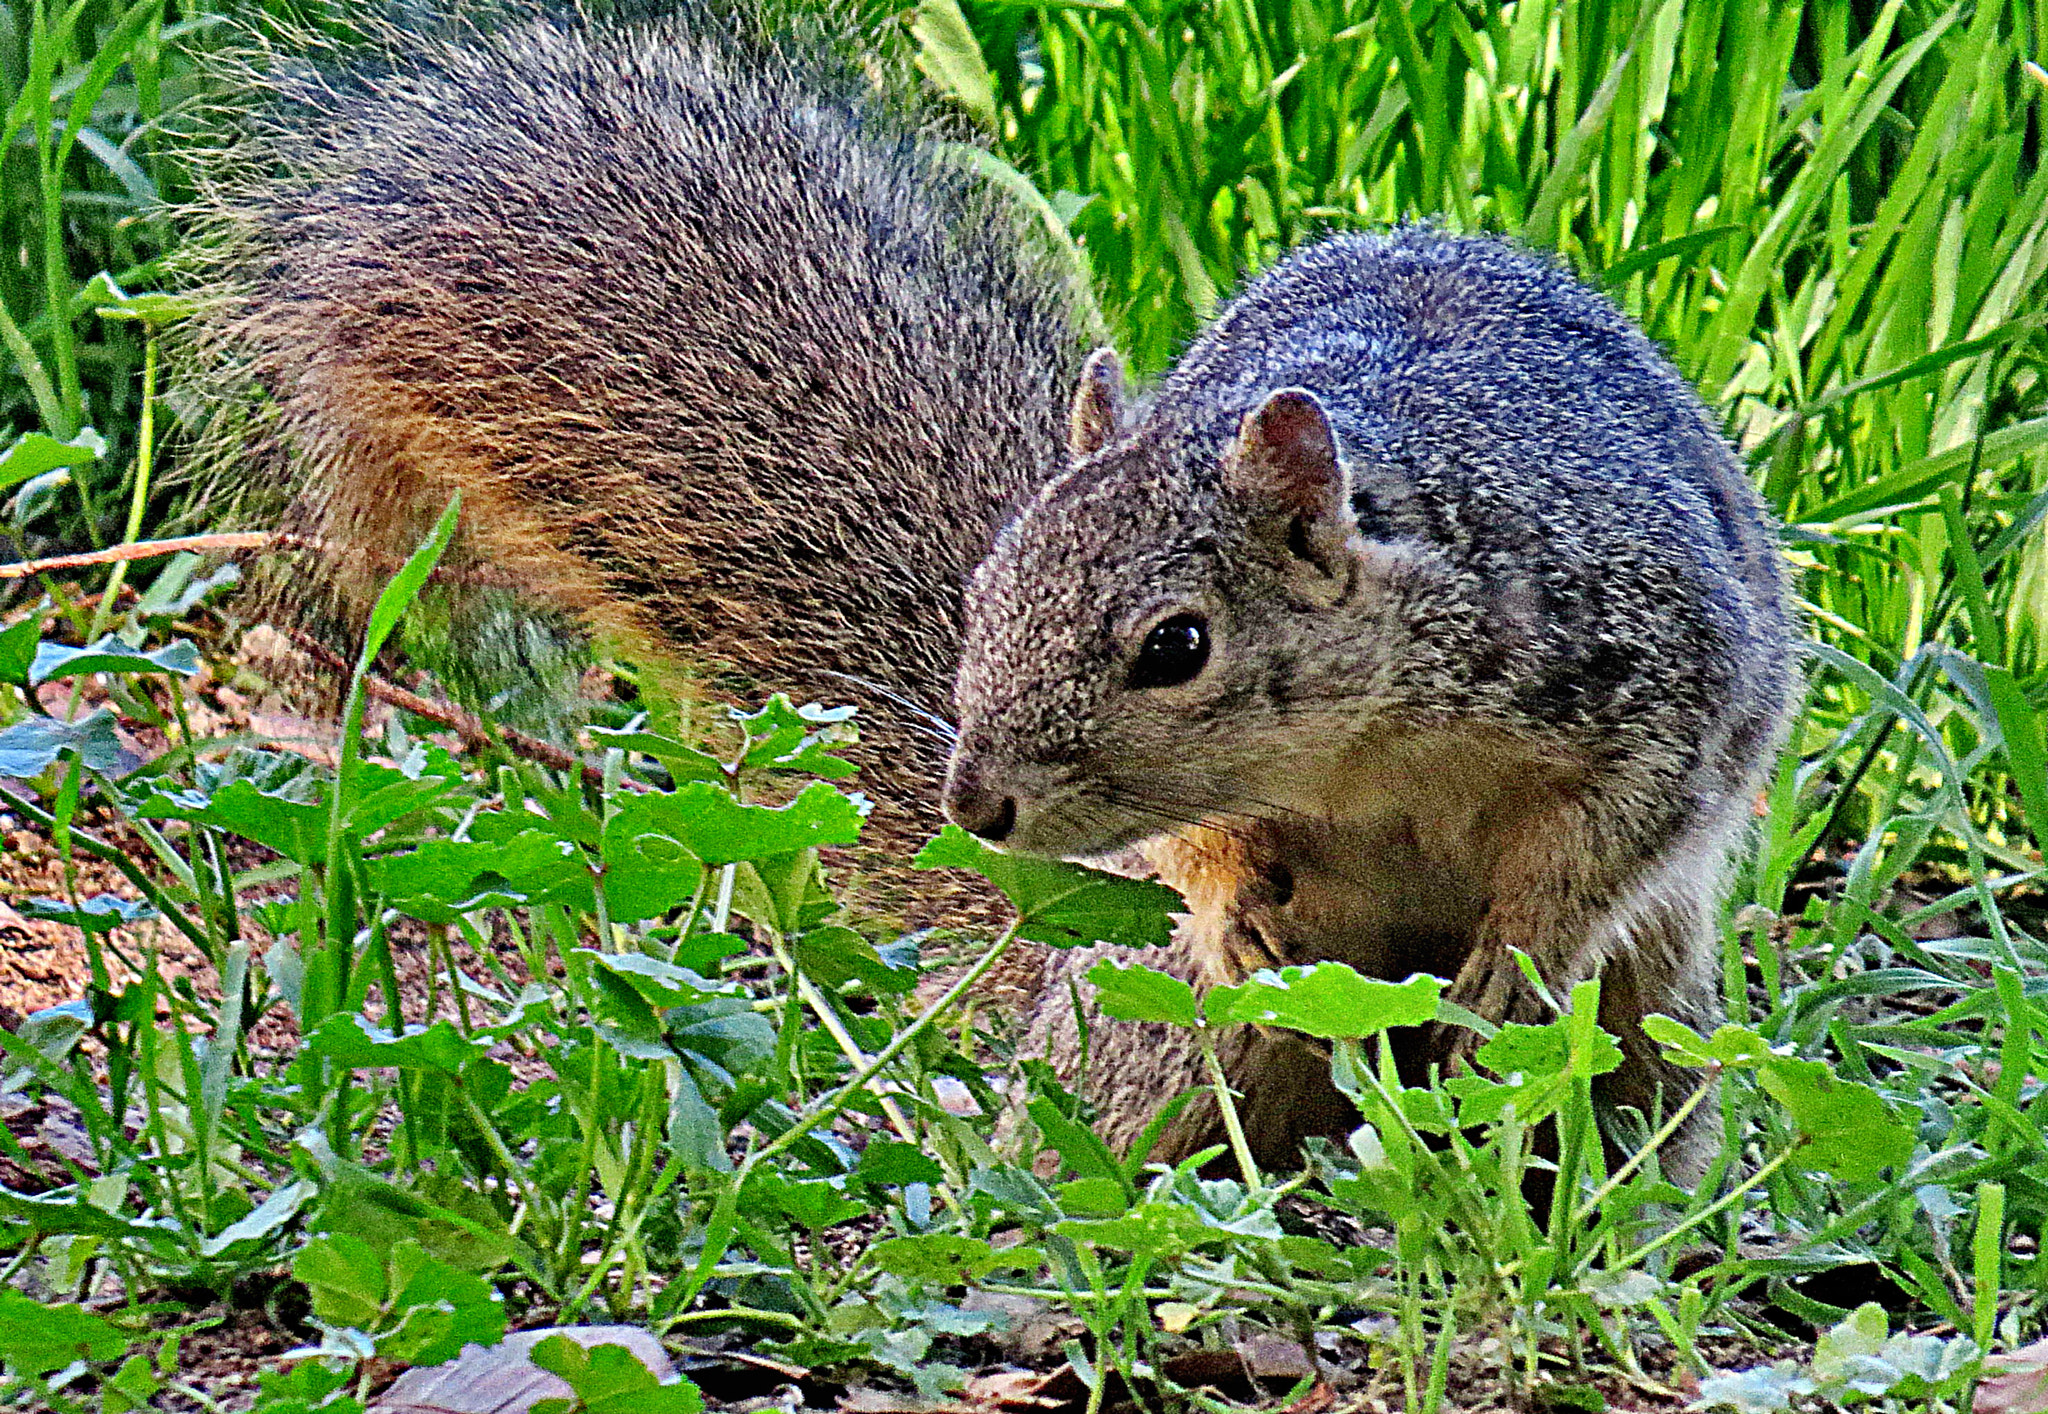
x: 1086, y: 824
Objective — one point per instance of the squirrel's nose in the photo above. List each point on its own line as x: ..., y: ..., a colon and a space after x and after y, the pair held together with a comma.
x: 995, y: 828
x: 980, y: 811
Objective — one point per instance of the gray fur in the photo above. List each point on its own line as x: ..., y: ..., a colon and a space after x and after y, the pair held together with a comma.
x: 724, y: 352
x: 1524, y: 701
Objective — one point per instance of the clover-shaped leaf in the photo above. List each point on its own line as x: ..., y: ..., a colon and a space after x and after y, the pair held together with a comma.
x: 1134, y: 992
x: 1062, y: 904
x: 1851, y: 1131
x: 1328, y: 999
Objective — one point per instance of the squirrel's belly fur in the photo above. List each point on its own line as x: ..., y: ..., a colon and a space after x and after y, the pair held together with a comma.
x: 728, y: 359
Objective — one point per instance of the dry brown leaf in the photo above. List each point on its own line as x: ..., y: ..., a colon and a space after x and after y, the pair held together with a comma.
x: 882, y: 1401
x: 1319, y: 1399
x: 1010, y: 1389
x: 2014, y: 1384
x: 501, y: 1379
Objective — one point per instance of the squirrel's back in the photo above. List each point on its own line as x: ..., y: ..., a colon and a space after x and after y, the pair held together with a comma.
x: 720, y: 347
x: 1494, y: 407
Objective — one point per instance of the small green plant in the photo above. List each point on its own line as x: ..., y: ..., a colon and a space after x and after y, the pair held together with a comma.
x: 482, y: 1043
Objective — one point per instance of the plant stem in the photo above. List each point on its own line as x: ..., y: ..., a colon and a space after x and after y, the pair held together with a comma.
x: 718, y: 1228
x: 1636, y: 1257
x: 834, y: 1027
x: 138, y: 501
x: 1232, y: 1126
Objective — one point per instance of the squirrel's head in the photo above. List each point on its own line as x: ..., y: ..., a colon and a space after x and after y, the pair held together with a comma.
x: 1171, y: 627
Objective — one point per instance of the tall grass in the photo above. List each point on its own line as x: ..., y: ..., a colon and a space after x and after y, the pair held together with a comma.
x: 86, y: 177
x: 1833, y: 216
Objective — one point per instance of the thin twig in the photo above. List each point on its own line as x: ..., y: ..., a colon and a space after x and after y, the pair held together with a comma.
x: 467, y: 725
x: 152, y: 549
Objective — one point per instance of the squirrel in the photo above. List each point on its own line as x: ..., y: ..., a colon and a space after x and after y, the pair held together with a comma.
x: 730, y: 360
x: 1427, y: 566
x: 727, y: 356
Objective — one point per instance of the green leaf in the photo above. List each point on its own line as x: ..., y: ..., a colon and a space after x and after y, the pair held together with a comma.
x: 1862, y: 1333
x: 694, y: 1130
x: 684, y: 763
x: 835, y: 955
x: 937, y: 1258
x: 75, y: 1215
x: 719, y: 830
x: 1327, y: 999
x: 1017, y: 1190
x: 661, y: 984
x: 416, y: 1308
x: 950, y: 56
x: 656, y: 846
x: 1650, y: 257
x: 153, y: 306
x: 290, y: 824
x: 1762, y: 1390
x: 1080, y: 1146
x: 441, y: 879
x: 34, y: 453
x: 2020, y: 727
x: 305, y: 1387
x: 724, y: 1032
x: 811, y: 1203
x: 102, y: 913
x: 54, y: 661
x: 346, y: 1279
x: 786, y: 738
x: 384, y: 795
x: 703, y: 953
x: 1133, y: 992
x: 179, y: 588
x: 474, y: 1313
x: 609, y: 1379
x: 1732, y: 1047
x: 18, y: 649
x: 647, y: 870
x: 350, y: 1040
x: 1852, y: 1132
x: 1094, y: 1198
x: 450, y: 1220
x: 263, y: 1221
x: 1160, y: 1230
x: 30, y: 746
x: 889, y: 1162
x: 407, y: 583
x: 130, y: 1389
x: 1543, y: 1050
x: 1059, y: 903
x: 36, y: 1339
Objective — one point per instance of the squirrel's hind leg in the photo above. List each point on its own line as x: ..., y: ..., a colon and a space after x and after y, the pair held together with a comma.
x: 1580, y: 902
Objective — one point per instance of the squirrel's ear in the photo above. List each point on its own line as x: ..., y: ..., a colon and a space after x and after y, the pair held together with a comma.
x: 1284, y: 466
x: 1098, y: 404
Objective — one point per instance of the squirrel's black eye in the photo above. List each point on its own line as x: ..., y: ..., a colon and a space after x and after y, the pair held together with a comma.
x: 1173, y: 652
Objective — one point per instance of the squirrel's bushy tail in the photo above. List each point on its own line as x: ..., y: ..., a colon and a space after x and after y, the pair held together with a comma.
x: 722, y: 351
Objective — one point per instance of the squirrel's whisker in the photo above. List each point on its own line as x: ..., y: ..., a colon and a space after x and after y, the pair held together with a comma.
x: 922, y: 718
